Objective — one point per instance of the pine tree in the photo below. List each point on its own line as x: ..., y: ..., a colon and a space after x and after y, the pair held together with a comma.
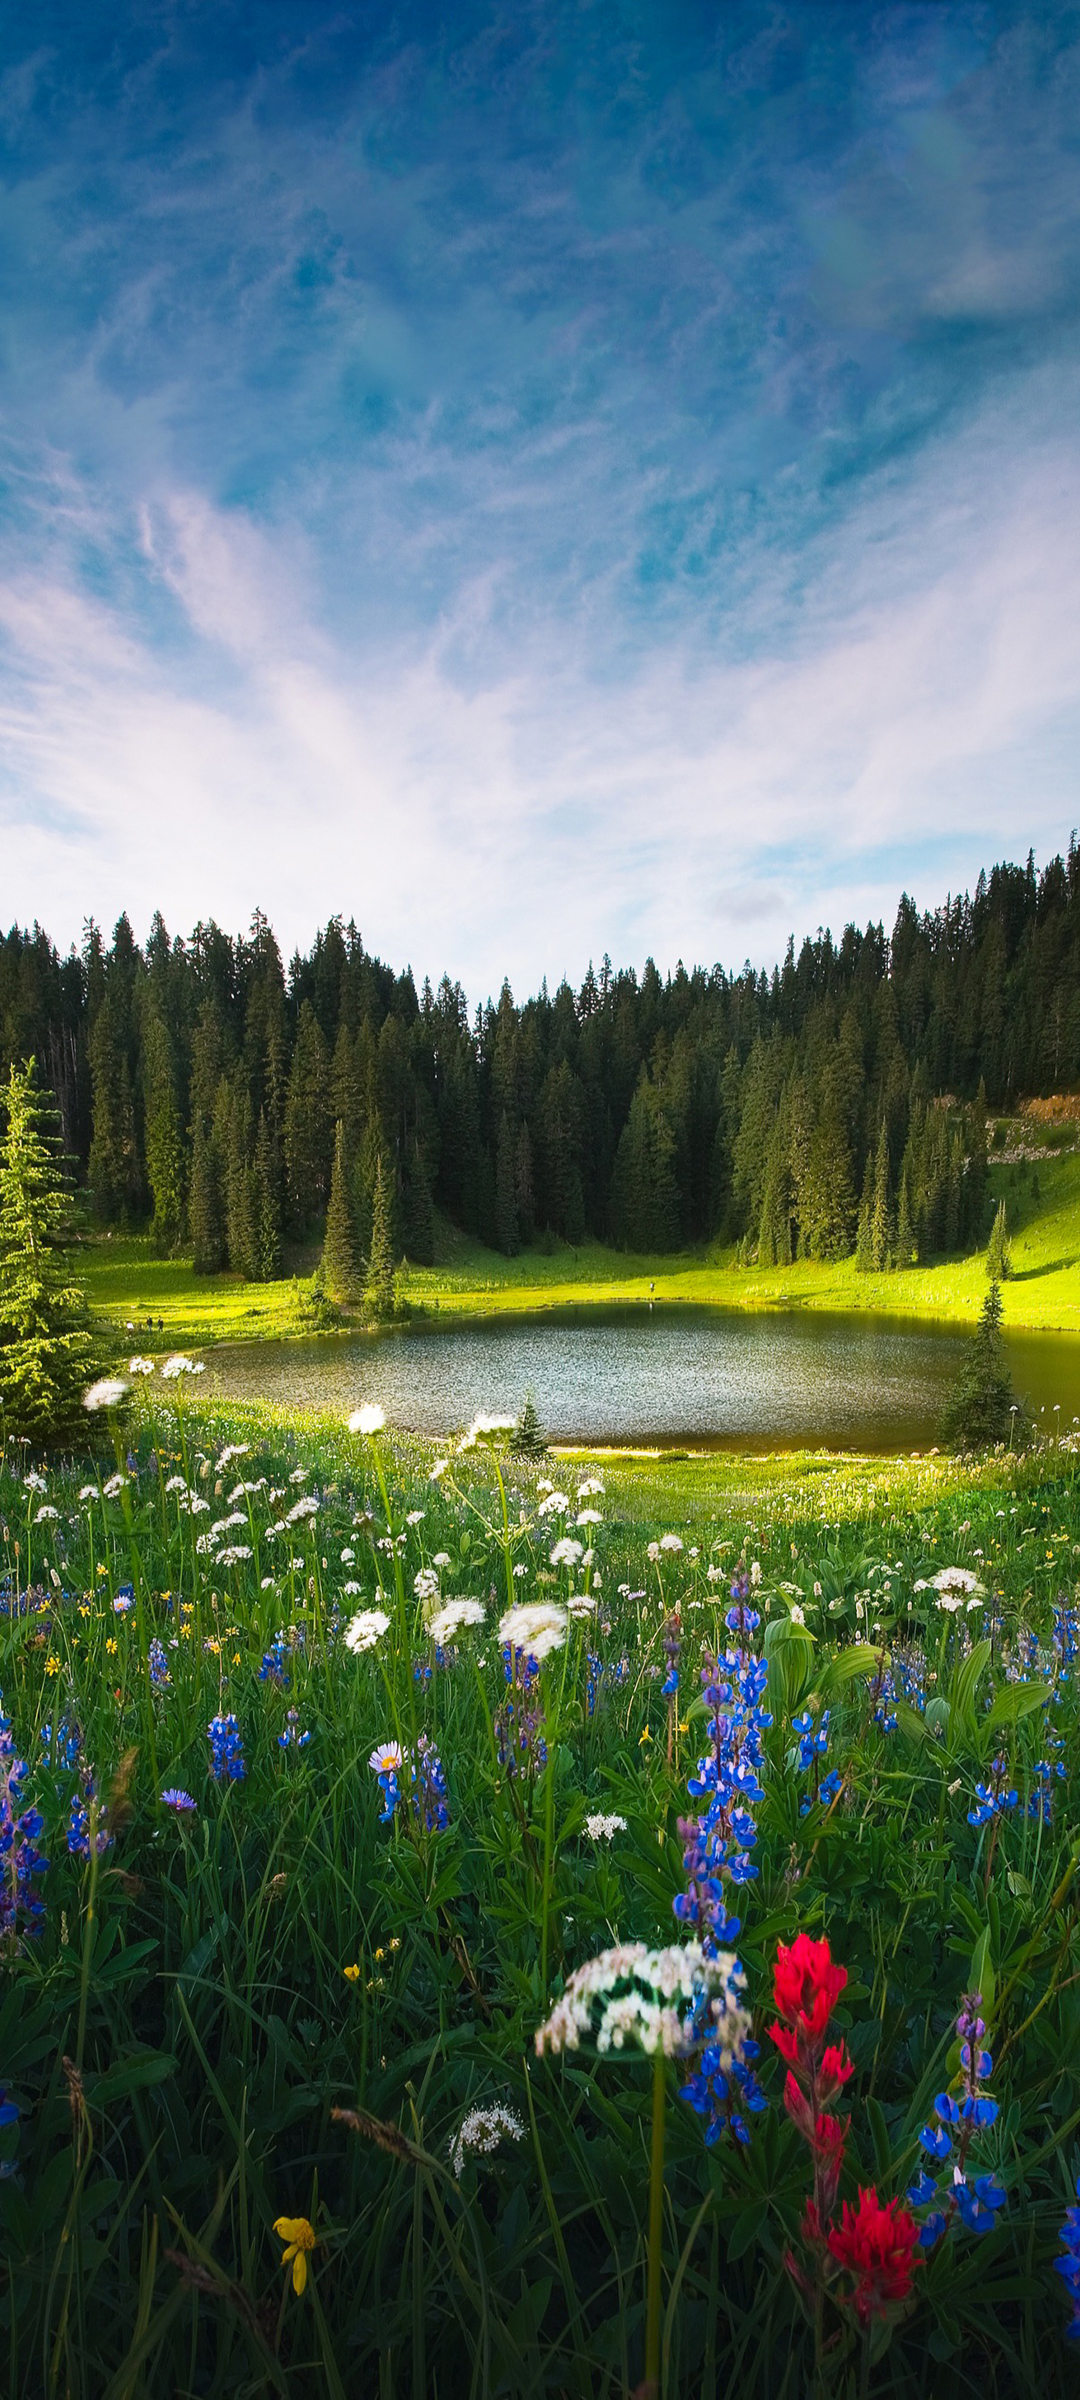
x: 906, y: 1252
x: 417, y: 1215
x: 506, y: 1216
x: 266, y: 1183
x: 309, y: 1127
x: 241, y: 1233
x: 528, y: 1439
x: 998, y: 1248
x: 340, y: 1268
x: 46, y: 1348
x: 880, y: 1213
x: 164, y: 1139
x: 864, y: 1258
x: 114, y: 1159
x: 524, y: 1200
x: 979, y: 1411
x: 379, y: 1297
x: 207, y: 1205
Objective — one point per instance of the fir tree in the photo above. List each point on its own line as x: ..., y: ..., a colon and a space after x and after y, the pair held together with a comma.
x: 507, y: 1231
x: 164, y: 1138
x: 114, y: 1159
x: 46, y: 1348
x: 880, y: 1212
x: 235, y: 1138
x: 266, y: 1184
x: 906, y: 1253
x: 998, y: 1248
x: 979, y: 1411
x: 309, y: 1129
x: 207, y: 1205
x: 528, y: 1439
x: 379, y: 1297
x: 340, y: 1268
x: 417, y: 1213
x: 864, y: 1258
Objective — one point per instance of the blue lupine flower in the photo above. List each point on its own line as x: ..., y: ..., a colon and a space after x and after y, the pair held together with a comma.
x: 960, y: 2119
x: 992, y: 1799
x: 78, y: 1832
x: 159, y: 1665
x: 1068, y: 2265
x: 21, y: 1863
x: 292, y: 1738
x: 274, y: 1668
x: 62, y: 1743
x: 719, y: 2094
x: 226, y: 1750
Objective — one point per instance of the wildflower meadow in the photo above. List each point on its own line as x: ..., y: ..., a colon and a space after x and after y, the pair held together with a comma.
x: 469, y: 1929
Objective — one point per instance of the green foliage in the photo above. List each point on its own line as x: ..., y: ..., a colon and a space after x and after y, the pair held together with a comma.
x: 220, y: 1985
x: 999, y: 1248
x: 46, y: 1349
x: 379, y: 1295
x: 341, y: 1272
x: 980, y: 1410
x: 528, y: 1439
x: 163, y: 1137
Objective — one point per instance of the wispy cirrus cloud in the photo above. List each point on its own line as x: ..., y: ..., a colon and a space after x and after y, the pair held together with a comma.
x: 541, y: 487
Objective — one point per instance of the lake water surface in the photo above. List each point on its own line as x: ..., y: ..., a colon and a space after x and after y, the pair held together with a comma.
x: 726, y: 1379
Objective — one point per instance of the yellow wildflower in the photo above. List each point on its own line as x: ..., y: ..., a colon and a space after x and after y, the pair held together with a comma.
x: 52, y: 1666
x: 112, y: 1647
x: 298, y: 2237
x: 644, y: 1737
x: 351, y: 1974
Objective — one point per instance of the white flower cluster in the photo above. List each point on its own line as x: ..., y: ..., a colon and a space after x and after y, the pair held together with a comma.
x: 567, y: 1553
x: 368, y: 1419
x: 554, y: 1504
x: 604, y: 1829
x: 486, y: 1429
x: 140, y: 1366
x: 180, y: 1364
x: 107, y: 1392
x: 426, y: 1583
x: 366, y: 1629
x: 668, y: 2000
x: 453, y: 1617
x: 537, y: 1628
x: 482, y: 2131
x: 956, y: 1588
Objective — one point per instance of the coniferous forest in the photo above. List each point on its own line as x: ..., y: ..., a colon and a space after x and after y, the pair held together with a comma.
x: 836, y: 1105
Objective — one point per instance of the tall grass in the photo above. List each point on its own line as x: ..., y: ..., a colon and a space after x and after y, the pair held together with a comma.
x: 208, y: 1990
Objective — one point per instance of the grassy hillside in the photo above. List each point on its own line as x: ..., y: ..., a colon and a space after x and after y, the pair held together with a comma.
x: 127, y: 1283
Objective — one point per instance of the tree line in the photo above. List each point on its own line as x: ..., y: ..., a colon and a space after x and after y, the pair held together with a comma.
x: 838, y: 1104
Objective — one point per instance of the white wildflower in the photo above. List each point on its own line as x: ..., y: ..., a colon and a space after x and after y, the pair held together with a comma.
x: 453, y: 1617
x: 306, y: 1506
x: 486, y: 1429
x: 604, y: 1829
x: 140, y: 1366
x: 482, y: 2131
x: 535, y: 1627
x: 670, y: 1541
x: 671, y: 2001
x: 106, y: 1393
x: 415, y: 1516
x: 426, y: 1583
x: 567, y: 1553
x: 554, y: 1504
x: 366, y: 1628
x: 369, y: 1418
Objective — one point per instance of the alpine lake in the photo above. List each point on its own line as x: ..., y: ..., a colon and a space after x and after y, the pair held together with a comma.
x: 656, y: 1376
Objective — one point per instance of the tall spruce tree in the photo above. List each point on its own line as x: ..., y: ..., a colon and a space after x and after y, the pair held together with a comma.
x: 506, y: 1216
x: 380, y: 1299
x: 340, y: 1266
x: 881, y: 1233
x: 309, y: 1126
x: 979, y: 1411
x: 207, y: 1204
x: 164, y: 1138
x: 46, y: 1347
x: 266, y: 1197
x: 999, y: 1248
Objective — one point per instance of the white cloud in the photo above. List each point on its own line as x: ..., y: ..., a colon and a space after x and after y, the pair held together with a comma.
x: 924, y: 707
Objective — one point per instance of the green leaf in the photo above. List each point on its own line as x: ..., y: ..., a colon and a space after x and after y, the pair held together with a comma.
x: 132, y: 2074
x: 982, y: 1973
x: 1014, y: 1701
x: 965, y: 1683
x: 859, y: 1658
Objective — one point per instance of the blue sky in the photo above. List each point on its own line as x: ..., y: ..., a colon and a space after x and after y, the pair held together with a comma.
x: 540, y: 480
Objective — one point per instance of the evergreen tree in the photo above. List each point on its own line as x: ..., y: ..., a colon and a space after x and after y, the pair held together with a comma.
x: 164, y: 1138
x: 528, y: 1439
x: 207, y: 1204
x: 524, y: 1201
x: 979, y: 1410
x: 864, y: 1256
x: 906, y: 1253
x: 309, y: 1128
x: 998, y: 1249
x: 46, y: 1348
x: 645, y: 1197
x: 235, y: 1136
x: 115, y: 1182
x: 506, y: 1216
x: 266, y: 1183
x: 881, y: 1213
x: 340, y: 1267
x: 417, y: 1211
x: 379, y: 1296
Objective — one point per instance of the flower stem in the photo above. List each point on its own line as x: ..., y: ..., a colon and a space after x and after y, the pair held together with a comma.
x: 656, y: 2228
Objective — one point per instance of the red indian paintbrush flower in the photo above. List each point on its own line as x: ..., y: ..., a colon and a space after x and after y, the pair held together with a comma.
x: 876, y: 2243
x: 807, y: 1983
